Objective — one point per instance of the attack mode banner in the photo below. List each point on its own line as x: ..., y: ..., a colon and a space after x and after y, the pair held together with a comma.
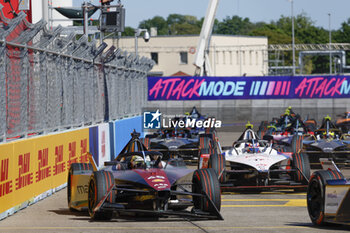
x: 268, y: 87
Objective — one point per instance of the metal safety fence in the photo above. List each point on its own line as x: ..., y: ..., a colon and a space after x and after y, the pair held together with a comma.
x: 50, y: 82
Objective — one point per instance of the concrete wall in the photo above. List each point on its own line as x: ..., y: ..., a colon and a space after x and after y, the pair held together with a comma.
x: 255, y: 110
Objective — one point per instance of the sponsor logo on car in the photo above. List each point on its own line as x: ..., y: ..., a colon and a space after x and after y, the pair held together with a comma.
x: 332, y: 195
x: 155, y: 177
x: 158, y: 180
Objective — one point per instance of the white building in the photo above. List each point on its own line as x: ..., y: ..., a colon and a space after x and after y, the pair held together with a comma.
x: 229, y: 55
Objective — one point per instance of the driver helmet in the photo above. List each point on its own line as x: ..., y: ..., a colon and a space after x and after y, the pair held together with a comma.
x: 137, y: 161
x: 330, y: 134
x: 252, y: 148
x: 287, y: 112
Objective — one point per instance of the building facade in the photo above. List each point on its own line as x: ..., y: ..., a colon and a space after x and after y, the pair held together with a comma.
x: 229, y: 55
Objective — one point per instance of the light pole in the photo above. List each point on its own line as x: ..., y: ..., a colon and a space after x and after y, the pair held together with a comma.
x: 330, y: 44
x: 86, y: 18
x: 146, y: 37
x: 293, y: 37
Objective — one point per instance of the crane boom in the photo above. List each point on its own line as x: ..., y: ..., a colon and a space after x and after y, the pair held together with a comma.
x: 201, y: 59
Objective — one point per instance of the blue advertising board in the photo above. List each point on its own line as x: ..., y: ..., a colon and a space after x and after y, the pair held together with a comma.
x: 267, y: 87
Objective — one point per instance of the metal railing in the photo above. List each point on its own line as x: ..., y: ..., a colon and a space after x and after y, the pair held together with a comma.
x: 50, y: 82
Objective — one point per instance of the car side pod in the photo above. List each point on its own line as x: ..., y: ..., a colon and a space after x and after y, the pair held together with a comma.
x: 78, y: 176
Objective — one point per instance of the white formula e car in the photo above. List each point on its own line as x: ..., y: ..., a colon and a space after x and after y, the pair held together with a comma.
x: 328, y: 195
x: 252, y: 164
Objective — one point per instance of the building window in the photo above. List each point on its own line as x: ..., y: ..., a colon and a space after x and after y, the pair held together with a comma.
x: 154, y: 57
x: 243, y: 57
x: 250, y: 57
x: 257, y: 58
x: 183, y: 58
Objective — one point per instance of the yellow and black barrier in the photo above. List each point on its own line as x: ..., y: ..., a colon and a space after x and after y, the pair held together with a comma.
x: 31, y: 169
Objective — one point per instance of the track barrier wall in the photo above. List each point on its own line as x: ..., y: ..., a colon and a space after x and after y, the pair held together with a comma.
x: 32, y: 169
x: 123, y: 126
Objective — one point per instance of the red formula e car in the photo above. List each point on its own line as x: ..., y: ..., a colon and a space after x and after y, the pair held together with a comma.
x: 139, y: 182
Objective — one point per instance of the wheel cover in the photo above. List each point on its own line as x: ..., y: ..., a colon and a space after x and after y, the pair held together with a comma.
x: 69, y: 193
x: 314, y: 199
x: 92, y: 196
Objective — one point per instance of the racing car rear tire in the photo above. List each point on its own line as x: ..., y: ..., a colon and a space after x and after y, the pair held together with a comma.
x: 74, y: 168
x: 204, y: 141
x: 218, y: 162
x: 100, y: 182
x: 205, y: 181
x: 316, y: 194
x: 301, y: 164
x: 204, y: 148
x: 147, y: 141
x: 262, y: 129
x: 297, y: 143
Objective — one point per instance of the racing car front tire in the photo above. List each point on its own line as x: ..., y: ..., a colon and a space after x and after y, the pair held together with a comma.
x: 206, y: 181
x: 301, y: 164
x: 218, y: 162
x: 316, y: 194
x: 100, y: 183
x: 75, y: 168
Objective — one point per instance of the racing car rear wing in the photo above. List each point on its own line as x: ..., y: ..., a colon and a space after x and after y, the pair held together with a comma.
x: 328, y: 164
x: 92, y: 161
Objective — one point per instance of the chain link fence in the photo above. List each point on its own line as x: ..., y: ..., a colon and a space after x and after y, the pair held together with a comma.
x: 50, y: 82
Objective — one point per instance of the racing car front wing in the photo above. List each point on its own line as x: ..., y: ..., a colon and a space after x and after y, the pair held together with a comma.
x: 194, y: 213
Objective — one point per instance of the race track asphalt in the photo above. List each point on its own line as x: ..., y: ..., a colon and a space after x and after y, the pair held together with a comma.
x: 282, y: 211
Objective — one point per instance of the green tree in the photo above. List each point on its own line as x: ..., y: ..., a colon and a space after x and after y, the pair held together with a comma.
x: 274, y: 34
x: 343, y: 34
x: 183, y: 24
x: 128, y: 31
x: 157, y: 21
x: 185, y: 29
x: 175, y: 19
x: 235, y: 25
